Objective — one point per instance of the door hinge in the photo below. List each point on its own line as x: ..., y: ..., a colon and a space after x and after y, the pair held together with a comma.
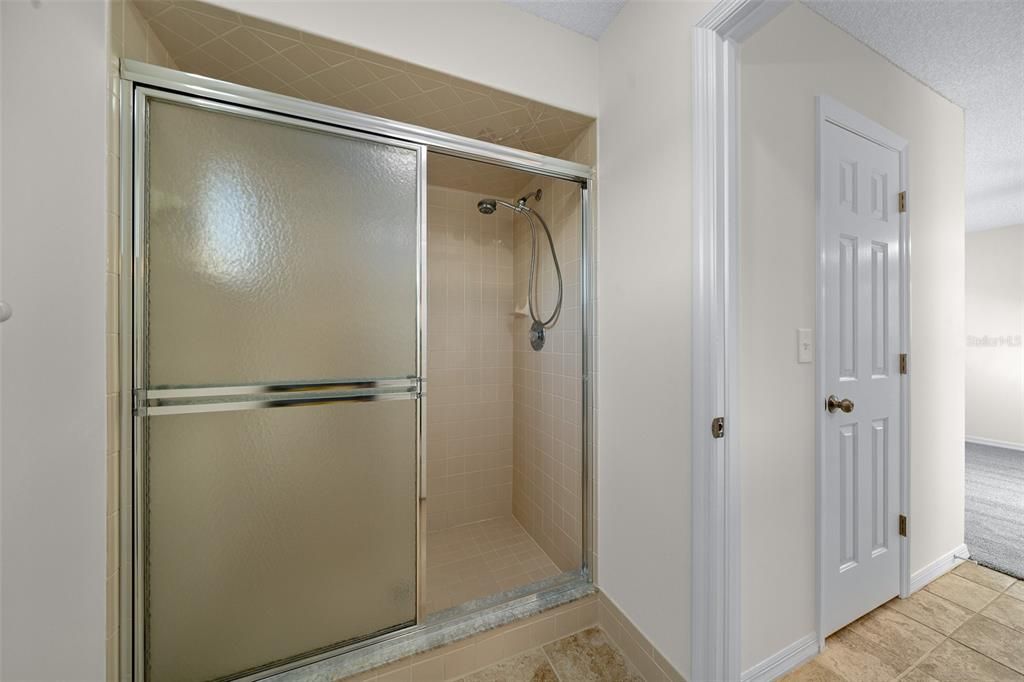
x: 903, y: 363
x: 903, y: 202
x: 718, y: 427
x: 903, y: 526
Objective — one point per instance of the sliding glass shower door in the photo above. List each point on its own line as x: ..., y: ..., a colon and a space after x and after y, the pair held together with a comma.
x: 277, y: 376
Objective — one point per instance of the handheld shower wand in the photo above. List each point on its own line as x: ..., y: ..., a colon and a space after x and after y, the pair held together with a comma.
x: 537, y: 329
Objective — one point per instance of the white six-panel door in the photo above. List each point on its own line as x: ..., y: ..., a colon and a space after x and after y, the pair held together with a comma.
x: 861, y: 438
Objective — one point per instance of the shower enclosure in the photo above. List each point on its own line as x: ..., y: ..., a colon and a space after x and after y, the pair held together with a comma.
x: 274, y: 329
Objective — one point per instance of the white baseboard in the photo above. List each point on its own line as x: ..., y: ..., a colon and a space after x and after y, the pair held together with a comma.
x: 944, y: 564
x: 805, y: 648
x: 780, y: 663
x: 995, y: 443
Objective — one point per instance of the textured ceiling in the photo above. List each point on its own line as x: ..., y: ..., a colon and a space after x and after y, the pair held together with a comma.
x: 215, y: 42
x: 971, y: 52
x: 589, y: 17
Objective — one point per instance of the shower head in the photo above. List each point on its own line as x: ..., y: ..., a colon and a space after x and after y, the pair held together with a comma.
x: 490, y: 205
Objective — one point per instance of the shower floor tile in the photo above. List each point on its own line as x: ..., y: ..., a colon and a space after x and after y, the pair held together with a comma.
x: 479, y: 559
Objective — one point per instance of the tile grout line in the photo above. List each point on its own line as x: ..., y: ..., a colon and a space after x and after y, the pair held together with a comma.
x: 510, y: 657
x: 950, y: 635
x: 982, y: 653
x: 550, y: 662
x: 925, y: 655
x: 920, y: 660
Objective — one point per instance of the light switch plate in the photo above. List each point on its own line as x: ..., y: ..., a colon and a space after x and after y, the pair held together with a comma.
x: 804, y: 346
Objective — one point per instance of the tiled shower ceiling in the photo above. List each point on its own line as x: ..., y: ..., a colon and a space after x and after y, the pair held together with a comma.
x: 219, y: 43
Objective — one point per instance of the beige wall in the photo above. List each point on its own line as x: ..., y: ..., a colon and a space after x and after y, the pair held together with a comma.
x: 783, y: 66
x: 995, y: 325
x: 469, y: 362
x: 547, y: 495
x: 643, y: 320
x: 53, y: 127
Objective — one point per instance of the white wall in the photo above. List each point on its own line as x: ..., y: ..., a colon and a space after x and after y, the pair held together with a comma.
x: 644, y: 253
x: 54, y: 172
x: 783, y: 66
x: 483, y: 41
x: 995, y: 325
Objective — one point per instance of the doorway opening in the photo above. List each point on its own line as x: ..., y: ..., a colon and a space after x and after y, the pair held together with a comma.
x: 994, y: 406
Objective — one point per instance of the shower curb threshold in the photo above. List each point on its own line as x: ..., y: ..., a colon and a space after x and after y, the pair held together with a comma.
x: 440, y: 629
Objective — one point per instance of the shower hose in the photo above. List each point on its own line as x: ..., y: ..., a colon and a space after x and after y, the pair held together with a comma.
x: 532, y: 292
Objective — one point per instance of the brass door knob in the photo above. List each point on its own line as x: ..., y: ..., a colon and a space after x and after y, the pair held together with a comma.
x: 833, y: 403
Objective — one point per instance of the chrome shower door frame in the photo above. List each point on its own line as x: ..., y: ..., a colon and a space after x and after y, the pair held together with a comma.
x: 146, y: 402
x: 141, y: 82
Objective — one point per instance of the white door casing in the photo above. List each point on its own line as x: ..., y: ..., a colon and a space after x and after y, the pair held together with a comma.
x: 861, y: 450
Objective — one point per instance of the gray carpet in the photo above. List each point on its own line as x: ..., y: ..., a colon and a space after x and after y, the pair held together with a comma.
x: 994, y: 515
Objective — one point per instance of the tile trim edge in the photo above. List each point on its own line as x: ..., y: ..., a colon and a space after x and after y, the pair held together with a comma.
x: 939, y: 567
x: 636, y: 648
x: 547, y: 627
x: 781, y: 662
x: 434, y: 636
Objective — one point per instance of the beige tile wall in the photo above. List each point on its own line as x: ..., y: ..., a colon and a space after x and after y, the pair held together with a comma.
x: 131, y: 38
x: 547, y: 453
x: 138, y: 40
x: 469, y: 362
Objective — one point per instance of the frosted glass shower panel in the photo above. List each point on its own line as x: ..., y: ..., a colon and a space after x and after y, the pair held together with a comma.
x: 276, y: 532
x: 276, y: 252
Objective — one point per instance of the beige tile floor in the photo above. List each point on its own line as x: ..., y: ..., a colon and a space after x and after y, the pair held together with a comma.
x: 587, y: 656
x: 480, y: 559
x: 967, y: 625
